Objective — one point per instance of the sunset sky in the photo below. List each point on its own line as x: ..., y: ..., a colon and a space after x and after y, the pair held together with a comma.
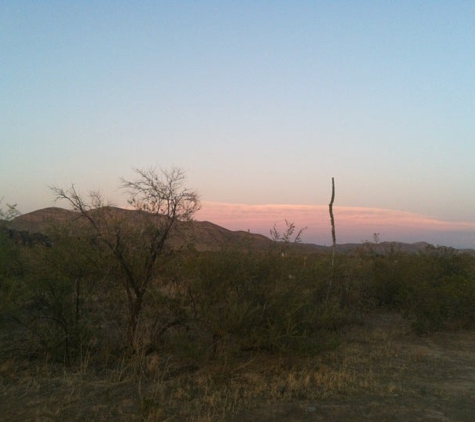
x: 260, y: 102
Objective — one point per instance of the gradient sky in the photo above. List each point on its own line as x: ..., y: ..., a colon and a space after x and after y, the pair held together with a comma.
x: 261, y: 102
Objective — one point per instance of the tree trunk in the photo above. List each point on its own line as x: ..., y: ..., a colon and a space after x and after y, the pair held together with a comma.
x: 135, y: 306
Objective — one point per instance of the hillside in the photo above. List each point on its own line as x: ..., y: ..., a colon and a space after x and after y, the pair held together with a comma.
x: 205, y: 235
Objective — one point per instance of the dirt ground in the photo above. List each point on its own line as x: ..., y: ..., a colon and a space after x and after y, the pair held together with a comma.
x: 381, y: 372
x: 426, y: 378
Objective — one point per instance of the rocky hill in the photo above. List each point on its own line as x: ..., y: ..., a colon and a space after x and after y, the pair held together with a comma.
x: 35, y: 226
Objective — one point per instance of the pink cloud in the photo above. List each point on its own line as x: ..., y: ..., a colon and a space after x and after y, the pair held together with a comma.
x: 353, y: 224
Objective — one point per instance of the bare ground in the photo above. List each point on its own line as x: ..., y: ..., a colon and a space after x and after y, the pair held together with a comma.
x: 416, y: 378
x: 381, y: 372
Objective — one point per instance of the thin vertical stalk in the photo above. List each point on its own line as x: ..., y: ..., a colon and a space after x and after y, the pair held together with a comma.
x: 332, y: 220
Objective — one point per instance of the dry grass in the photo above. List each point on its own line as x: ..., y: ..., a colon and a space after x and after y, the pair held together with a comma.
x: 377, y: 362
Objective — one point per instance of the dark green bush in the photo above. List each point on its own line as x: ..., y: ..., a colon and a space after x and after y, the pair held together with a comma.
x: 245, y: 301
x: 434, y: 288
x: 440, y: 290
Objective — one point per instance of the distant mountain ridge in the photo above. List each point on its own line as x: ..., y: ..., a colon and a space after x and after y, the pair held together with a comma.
x: 205, y: 235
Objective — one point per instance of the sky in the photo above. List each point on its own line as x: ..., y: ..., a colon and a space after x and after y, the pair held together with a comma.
x: 260, y: 102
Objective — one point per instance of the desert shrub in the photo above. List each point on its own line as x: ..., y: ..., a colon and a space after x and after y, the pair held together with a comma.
x: 74, y: 303
x: 385, y: 274
x: 248, y: 302
x: 67, y: 297
x: 434, y: 288
x: 341, y: 292
x: 54, y: 314
x: 11, y: 274
x: 426, y: 287
x: 439, y: 288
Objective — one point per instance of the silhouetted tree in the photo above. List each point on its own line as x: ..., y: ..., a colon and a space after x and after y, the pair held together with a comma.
x: 9, y: 213
x: 162, y: 202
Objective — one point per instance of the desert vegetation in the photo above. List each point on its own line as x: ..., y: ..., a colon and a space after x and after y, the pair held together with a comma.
x: 122, y: 300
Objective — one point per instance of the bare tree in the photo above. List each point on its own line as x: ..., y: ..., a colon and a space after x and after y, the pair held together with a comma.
x: 163, y: 201
x: 9, y: 213
x: 285, y: 238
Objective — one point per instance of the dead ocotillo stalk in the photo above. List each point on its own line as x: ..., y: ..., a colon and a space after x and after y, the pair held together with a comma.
x: 332, y: 220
